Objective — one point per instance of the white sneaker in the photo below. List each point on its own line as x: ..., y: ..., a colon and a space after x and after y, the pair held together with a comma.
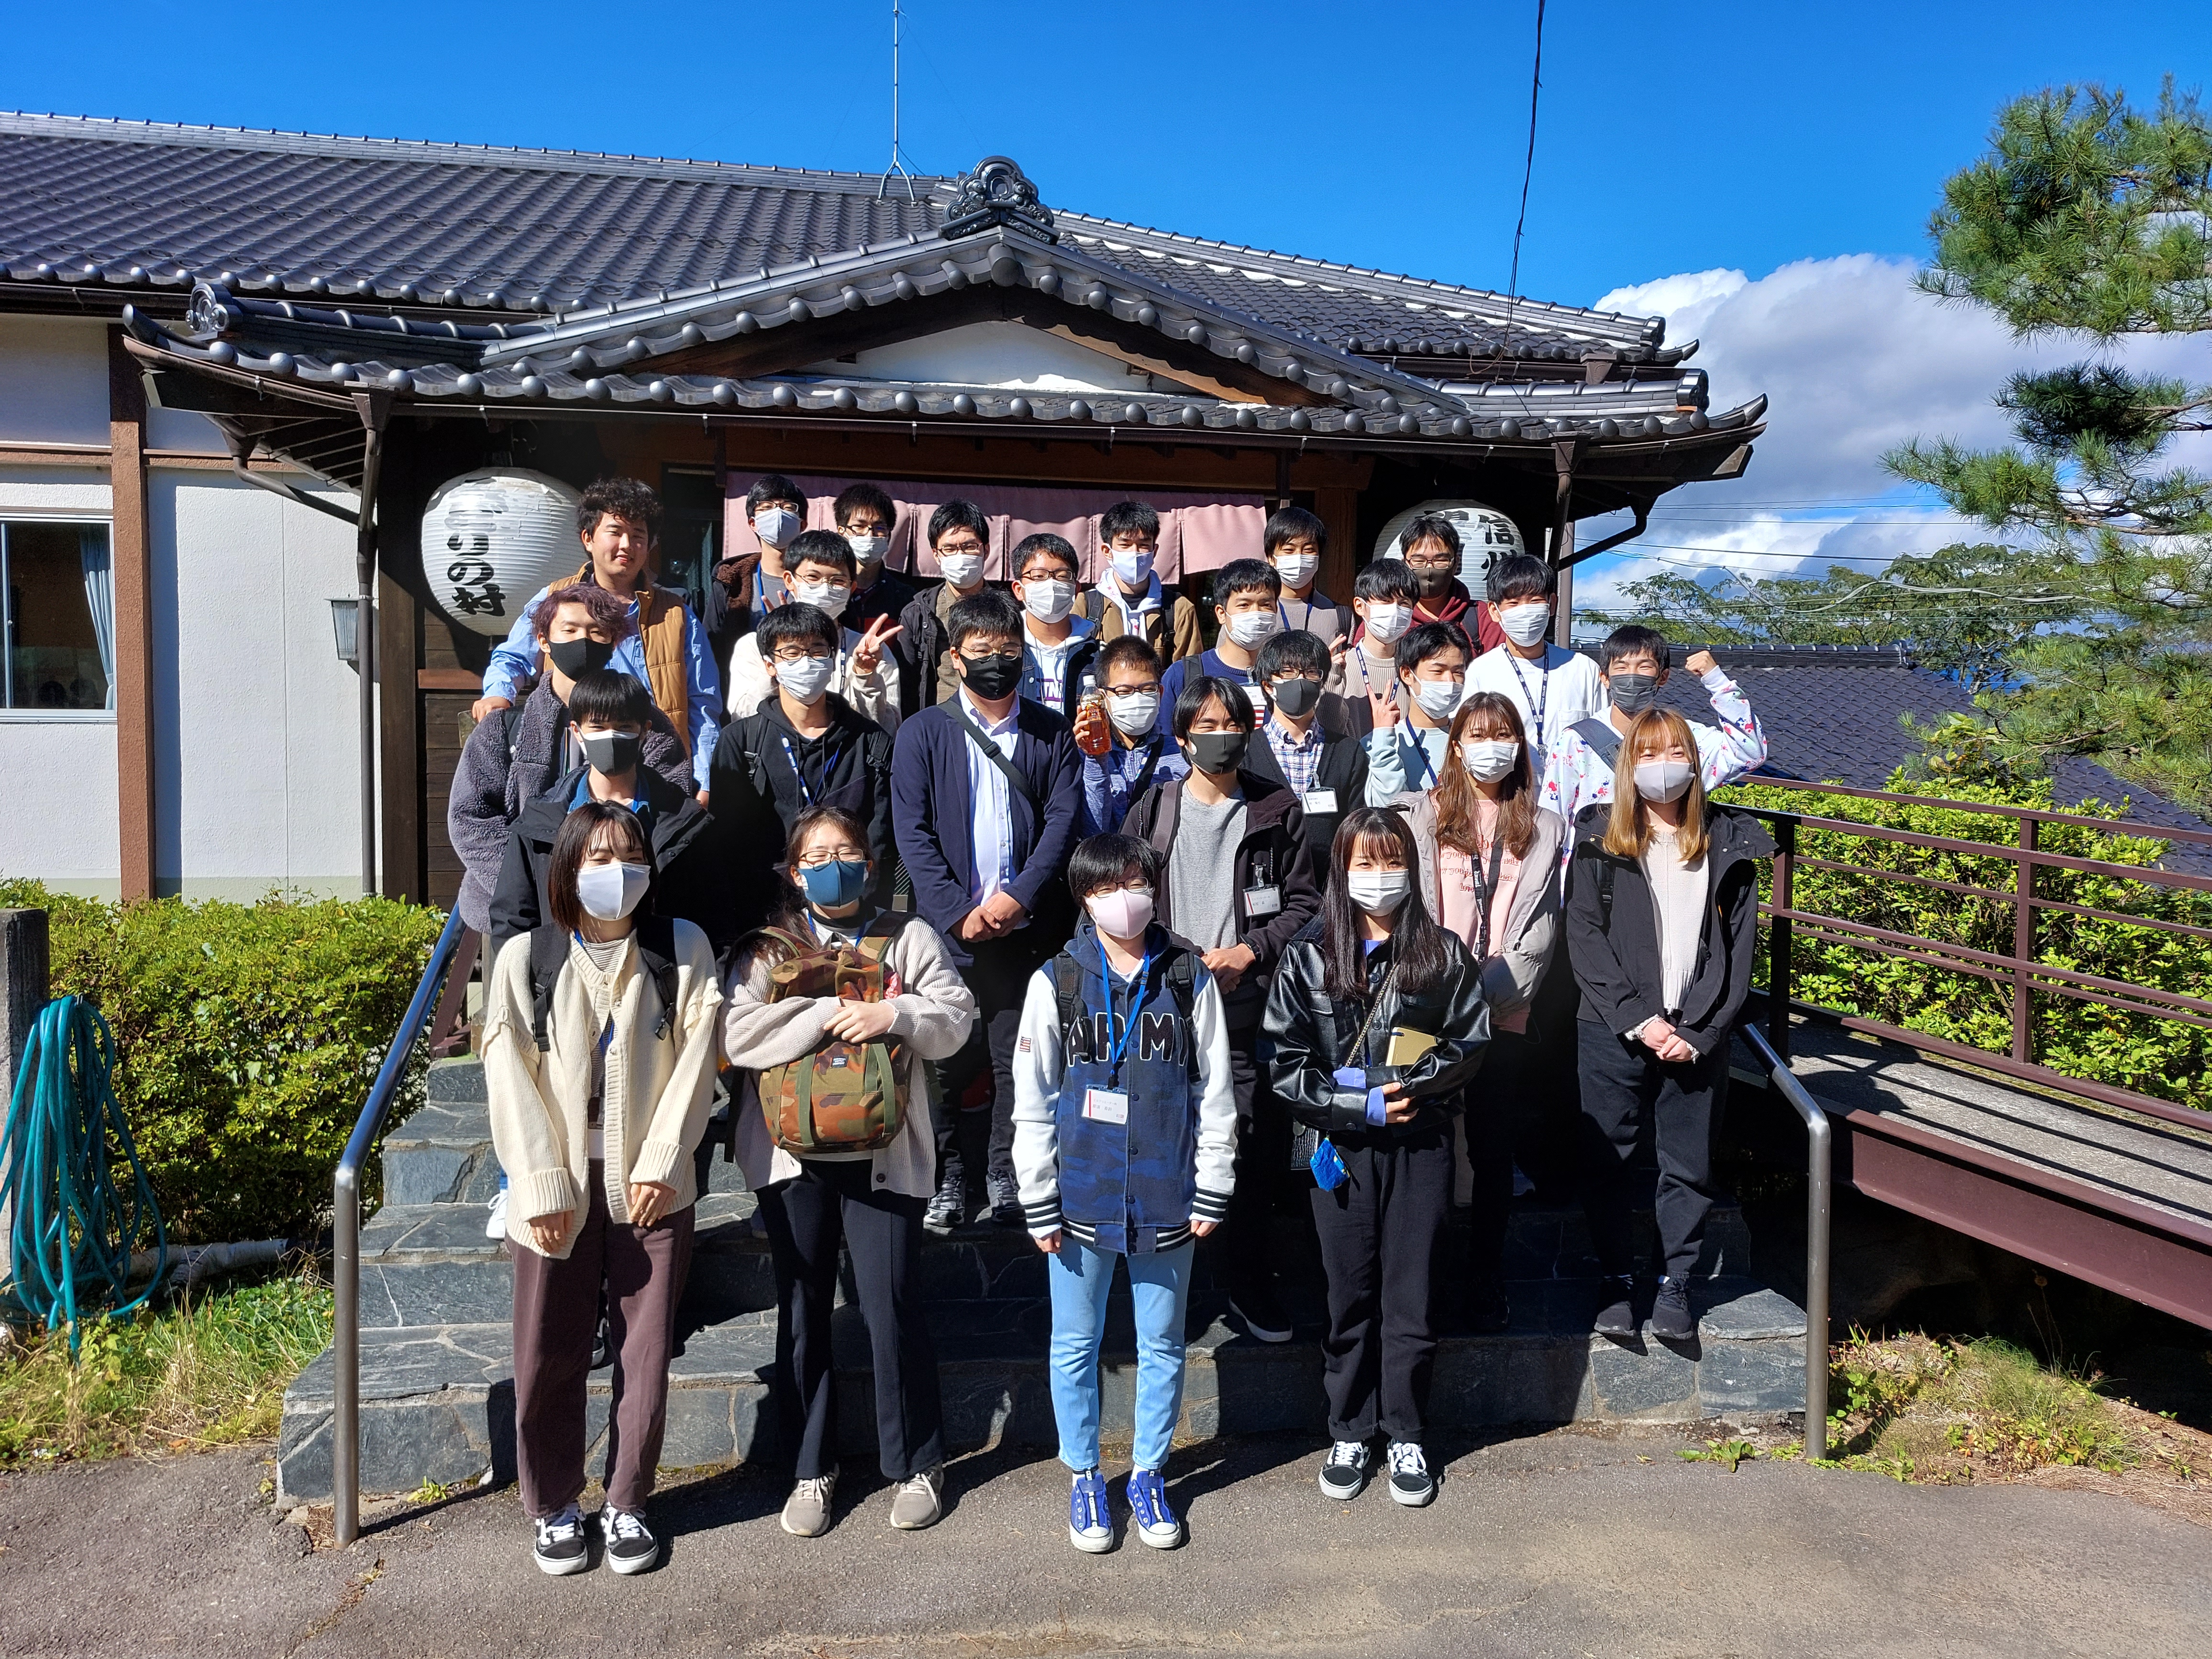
x: 496, y: 1227
x: 1411, y: 1483
x: 807, y: 1512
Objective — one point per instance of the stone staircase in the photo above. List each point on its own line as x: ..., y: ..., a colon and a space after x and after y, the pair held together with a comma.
x: 438, y: 1403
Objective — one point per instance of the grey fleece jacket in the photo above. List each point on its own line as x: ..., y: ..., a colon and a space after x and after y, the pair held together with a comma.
x: 488, y: 793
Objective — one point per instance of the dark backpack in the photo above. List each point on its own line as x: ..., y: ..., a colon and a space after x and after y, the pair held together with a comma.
x: 1601, y: 736
x: 549, y: 949
x: 1182, y: 981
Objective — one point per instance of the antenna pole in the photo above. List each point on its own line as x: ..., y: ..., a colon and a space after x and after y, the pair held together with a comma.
x: 896, y: 165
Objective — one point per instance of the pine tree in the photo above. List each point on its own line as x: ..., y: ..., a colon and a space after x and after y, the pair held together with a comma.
x: 2093, y: 219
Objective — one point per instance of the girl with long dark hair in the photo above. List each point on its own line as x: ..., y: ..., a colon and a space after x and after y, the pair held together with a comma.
x: 600, y: 1038
x: 1492, y: 856
x: 1375, y: 1022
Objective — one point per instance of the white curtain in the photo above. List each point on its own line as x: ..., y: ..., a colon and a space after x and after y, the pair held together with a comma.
x: 100, y: 595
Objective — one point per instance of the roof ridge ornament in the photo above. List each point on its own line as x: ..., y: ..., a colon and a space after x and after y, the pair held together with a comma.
x: 998, y: 193
x: 211, y: 314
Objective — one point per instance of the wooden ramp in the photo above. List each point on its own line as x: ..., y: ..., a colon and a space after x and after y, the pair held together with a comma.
x: 2121, y: 1201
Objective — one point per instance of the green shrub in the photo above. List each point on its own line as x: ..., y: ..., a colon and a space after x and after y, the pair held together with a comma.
x: 247, y: 1036
x: 2165, y: 1059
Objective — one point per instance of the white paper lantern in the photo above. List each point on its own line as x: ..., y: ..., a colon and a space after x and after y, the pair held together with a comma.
x: 1485, y: 535
x: 491, y: 539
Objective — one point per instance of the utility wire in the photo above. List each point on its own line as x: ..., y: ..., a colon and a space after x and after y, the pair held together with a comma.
x: 1528, y: 172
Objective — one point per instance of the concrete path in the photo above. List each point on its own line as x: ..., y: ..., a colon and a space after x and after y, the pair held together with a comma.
x: 1564, y: 1544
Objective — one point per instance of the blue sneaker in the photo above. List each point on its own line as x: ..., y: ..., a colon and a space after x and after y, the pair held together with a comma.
x: 1148, y: 1507
x: 1090, y: 1528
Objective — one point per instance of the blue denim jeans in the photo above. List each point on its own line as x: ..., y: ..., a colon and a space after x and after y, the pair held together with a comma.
x: 1159, y: 1285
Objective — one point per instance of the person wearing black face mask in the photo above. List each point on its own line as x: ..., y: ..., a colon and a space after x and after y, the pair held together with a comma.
x: 987, y: 788
x: 610, y: 725
x: 1306, y: 741
x: 515, y: 755
x: 1228, y: 819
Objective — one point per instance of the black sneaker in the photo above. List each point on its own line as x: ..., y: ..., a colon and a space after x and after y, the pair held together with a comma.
x: 1006, y: 1203
x: 1616, y: 1314
x: 1672, y: 1320
x: 560, y: 1546
x: 949, y: 1207
x: 631, y: 1546
x: 603, y: 1350
x: 1344, y: 1471
x: 1263, y: 1315
x: 1411, y: 1483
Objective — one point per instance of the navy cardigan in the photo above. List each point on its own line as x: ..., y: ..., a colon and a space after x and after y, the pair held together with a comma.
x: 933, y: 813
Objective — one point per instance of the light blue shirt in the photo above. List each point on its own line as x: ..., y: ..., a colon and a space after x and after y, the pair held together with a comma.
x: 991, y: 808
x: 1404, y: 757
x: 514, y: 659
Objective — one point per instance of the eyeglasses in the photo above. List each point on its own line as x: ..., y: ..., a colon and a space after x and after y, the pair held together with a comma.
x: 815, y: 857
x: 799, y: 653
x: 1133, y: 690
x: 943, y: 548
x: 988, y: 656
x: 1432, y: 564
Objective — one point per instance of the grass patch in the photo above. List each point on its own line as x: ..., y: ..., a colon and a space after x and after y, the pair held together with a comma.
x: 1924, y: 1409
x: 207, y: 1370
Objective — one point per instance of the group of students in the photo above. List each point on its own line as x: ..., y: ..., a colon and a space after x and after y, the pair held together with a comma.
x: 1218, y: 935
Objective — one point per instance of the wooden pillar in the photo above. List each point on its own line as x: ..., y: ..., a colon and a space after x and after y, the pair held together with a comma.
x: 1338, y: 509
x: 23, y: 992
x: 130, y: 556
x: 399, y: 747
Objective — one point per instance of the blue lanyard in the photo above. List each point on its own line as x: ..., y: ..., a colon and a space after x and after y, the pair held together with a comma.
x: 1115, y: 1050
x: 829, y: 760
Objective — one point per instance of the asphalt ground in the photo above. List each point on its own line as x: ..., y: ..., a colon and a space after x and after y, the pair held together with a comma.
x: 1567, y: 1543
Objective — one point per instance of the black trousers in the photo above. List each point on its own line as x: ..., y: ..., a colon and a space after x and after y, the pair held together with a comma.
x: 1545, y: 1143
x: 1380, y: 1234
x: 999, y: 977
x: 1504, y: 1109
x: 806, y: 1217
x: 1628, y: 1093
x: 1247, y: 1248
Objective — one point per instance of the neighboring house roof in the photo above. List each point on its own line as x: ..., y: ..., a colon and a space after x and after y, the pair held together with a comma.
x: 1832, y: 714
x: 144, y: 205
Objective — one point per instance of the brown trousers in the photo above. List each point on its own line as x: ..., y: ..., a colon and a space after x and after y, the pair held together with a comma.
x: 557, y: 1316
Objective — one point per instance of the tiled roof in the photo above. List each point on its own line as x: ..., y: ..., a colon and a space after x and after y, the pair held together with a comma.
x: 1831, y: 715
x: 140, y: 205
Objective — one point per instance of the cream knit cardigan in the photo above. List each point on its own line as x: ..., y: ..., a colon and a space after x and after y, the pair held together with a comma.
x: 657, y: 1094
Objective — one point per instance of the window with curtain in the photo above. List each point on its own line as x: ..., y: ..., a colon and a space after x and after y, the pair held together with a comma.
x: 58, y: 610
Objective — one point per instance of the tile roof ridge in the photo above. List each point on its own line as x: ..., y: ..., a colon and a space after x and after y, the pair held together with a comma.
x: 199, y: 135
x: 1370, y: 273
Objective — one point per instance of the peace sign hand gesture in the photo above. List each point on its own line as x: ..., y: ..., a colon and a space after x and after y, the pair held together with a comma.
x: 869, y: 652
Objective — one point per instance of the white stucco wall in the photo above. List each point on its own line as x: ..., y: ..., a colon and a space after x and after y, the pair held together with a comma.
x: 1010, y: 356
x: 256, y: 780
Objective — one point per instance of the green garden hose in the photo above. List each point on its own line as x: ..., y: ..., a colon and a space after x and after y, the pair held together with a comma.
x: 71, y: 1226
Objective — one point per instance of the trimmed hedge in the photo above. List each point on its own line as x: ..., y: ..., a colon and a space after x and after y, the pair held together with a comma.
x: 248, y: 1037
x: 2163, y: 1059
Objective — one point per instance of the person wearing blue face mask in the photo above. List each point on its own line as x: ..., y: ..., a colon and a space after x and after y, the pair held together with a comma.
x: 872, y: 1201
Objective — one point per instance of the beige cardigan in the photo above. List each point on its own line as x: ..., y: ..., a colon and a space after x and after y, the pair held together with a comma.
x: 657, y: 1090
x: 1532, y: 926
x: 932, y: 1012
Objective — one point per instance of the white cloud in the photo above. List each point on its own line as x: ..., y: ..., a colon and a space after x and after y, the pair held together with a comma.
x: 1855, y: 360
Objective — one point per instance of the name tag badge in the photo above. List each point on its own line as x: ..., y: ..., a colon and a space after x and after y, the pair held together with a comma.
x: 1320, y: 802
x: 1257, y: 697
x: 1262, y: 901
x: 1106, y: 1106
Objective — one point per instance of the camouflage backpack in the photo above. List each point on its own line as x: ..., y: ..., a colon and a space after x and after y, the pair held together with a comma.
x: 843, y: 1097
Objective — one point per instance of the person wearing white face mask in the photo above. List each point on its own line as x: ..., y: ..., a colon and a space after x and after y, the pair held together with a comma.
x: 1138, y: 754
x: 1376, y: 1020
x: 959, y: 540
x: 1245, y: 594
x: 866, y: 516
x: 1662, y: 918
x: 804, y: 747
x: 1490, y: 859
x: 1412, y: 752
x: 1058, y: 647
x: 1125, y: 1131
x: 1383, y: 598
x: 1295, y: 542
x: 1551, y: 686
x: 820, y: 572
x: 1129, y: 598
x: 600, y: 1035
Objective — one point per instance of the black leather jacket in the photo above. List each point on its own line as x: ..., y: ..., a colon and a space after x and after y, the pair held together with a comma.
x: 1308, y: 1036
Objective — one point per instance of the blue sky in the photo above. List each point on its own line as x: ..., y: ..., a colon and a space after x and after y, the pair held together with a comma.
x: 1731, y: 165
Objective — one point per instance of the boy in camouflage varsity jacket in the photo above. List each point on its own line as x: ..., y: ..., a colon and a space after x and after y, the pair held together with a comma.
x: 1125, y: 1140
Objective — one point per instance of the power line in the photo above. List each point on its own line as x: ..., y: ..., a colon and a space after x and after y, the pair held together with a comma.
x: 1528, y: 172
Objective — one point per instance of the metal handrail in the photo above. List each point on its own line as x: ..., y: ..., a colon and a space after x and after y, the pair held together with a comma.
x: 345, y: 1229
x: 1819, y: 1203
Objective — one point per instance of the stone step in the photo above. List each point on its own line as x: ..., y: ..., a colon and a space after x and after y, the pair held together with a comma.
x: 442, y: 1154
x: 438, y: 1402
x: 430, y: 1264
